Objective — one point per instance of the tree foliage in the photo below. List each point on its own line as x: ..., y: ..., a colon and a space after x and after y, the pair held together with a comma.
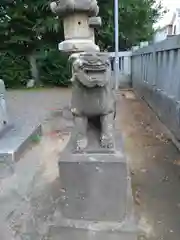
x: 52, y: 65
x: 14, y: 69
x: 54, y: 68
x: 26, y: 25
x: 28, y: 28
x: 136, y: 19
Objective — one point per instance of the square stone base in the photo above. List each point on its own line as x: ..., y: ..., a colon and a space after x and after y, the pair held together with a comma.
x: 96, y: 196
x: 95, y: 186
x: 96, y: 199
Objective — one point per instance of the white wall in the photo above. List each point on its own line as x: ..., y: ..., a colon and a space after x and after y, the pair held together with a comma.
x: 176, y: 24
x: 161, y: 34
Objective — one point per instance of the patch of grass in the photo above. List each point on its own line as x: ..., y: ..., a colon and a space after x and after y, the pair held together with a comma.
x: 35, y: 138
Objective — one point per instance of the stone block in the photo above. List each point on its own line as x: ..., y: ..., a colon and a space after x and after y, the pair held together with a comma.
x: 65, y: 7
x: 96, y: 197
x: 76, y: 26
x: 13, y: 143
x: 93, y: 146
x: 78, y: 45
x: 79, y: 19
x: 95, y: 22
x: 96, y: 187
x: 66, y: 233
x: 92, y: 34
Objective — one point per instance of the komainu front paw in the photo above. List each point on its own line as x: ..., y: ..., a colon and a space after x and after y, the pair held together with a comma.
x: 107, y: 141
x: 81, y: 143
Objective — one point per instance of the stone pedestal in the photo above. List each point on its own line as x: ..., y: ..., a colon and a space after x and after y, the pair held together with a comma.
x: 95, y: 187
x: 96, y: 196
x: 96, y: 199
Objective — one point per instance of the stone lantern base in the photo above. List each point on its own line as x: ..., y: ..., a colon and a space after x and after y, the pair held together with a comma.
x: 78, y: 45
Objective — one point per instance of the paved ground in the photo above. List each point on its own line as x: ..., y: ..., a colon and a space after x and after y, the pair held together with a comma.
x: 34, y: 105
x: 29, y: 197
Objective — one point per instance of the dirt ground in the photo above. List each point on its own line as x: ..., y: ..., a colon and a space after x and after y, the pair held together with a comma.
x: 28, y: 198
x: 155, y: 168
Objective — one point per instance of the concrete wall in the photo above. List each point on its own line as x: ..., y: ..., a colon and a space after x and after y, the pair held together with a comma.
x: 124, y: 68
x: 156, y: 78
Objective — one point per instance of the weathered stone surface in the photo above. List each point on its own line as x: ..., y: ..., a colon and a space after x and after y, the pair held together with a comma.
x: 96, y: 191
x: 13, y: 143
x: 66, y: 233
x: 78, y: 24
x: 78, y: 45
x: 96, y: 196
x: 96, y: 187
x: 66, y: 7
x: 95, y: 22
x: 93, y: 98
x: 93, y: 146
x: 103, y: 180
x: 92, y: 70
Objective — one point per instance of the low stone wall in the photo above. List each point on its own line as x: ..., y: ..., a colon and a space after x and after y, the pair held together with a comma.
x: 156, y: 78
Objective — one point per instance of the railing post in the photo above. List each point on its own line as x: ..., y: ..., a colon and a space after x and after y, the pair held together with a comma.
x: 116, y: 23
x: 3, y: 112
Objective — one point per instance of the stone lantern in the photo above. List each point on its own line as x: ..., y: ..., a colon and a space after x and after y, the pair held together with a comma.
x: 79, y: 20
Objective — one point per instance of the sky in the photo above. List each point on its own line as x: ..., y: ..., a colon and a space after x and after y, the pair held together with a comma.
x: 171, y: 5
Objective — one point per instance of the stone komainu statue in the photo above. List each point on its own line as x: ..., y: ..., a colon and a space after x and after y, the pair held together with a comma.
x: 93, y: 100
x: 92, y: 97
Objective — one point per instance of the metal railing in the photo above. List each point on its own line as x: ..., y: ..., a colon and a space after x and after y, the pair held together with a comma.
x: 124, y: 68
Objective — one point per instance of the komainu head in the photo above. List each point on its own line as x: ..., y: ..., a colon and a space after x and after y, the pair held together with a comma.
x: 91, y: 69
